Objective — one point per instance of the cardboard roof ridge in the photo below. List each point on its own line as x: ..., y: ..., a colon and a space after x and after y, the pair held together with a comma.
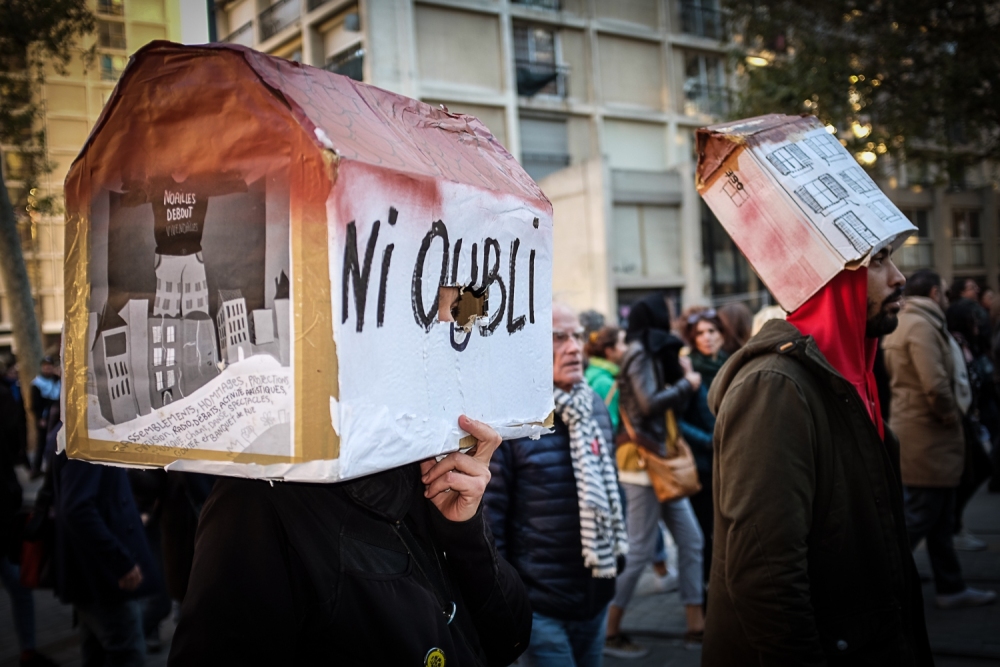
x: 477, y: 159
x: 731, y: 135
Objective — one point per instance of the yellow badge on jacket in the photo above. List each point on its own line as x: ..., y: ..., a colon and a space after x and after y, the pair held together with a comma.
x: 434, y: 658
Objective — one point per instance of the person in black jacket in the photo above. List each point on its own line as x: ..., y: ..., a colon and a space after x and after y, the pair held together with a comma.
x: 103, y: 563
x: 655, y: 385
x: 396, y: 568
x: 555, y: 509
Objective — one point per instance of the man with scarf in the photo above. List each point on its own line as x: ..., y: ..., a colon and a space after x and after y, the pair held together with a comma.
x: 555, y: 512
x: 812, y: 562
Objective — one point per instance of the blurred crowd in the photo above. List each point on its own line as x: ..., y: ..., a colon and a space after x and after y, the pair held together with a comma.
x: 578, y: 514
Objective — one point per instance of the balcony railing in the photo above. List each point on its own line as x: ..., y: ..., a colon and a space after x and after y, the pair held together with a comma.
x: 702, y: 21
x: 313, y: 4
x: 535, y: 77
x: 277, y: 17
x: 110, y: 7
x: 967, y: 253
x: 701, y: 99
x: 350, y: 63
x: 242, y: 35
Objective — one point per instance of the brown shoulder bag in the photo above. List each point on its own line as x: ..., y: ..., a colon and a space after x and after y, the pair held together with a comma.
x: 672, y: 477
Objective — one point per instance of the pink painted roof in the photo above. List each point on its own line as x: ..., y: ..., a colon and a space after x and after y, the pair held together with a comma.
x: 364, y: 123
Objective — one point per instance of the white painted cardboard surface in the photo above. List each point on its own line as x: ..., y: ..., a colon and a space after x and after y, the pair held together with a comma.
x: 404, y: 383
x: 801, y: 209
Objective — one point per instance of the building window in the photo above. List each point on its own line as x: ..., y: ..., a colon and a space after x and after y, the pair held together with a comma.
x: 111, y: 7
x: 919, y: 217
x: 111, y: 34
x: 965, y: 224
x: 536, y: 58
x: 349, y: 63
x: 705, y: 91
x: 171, y: 356
x: 544, y: 146
x: 157, y: 356
x: 159, y: 380
x: 242, y: 35
x: 170, y: 378
x: 170, y: 334
x: 112, y: 67
x: 277, y: 17
x: 647, y: 241
x: 702, y: 18
x: 157, y: 334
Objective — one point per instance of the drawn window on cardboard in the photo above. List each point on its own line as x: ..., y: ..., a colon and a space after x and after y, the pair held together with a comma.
x: 790, y: 159
x: 735, y: 189
x: 823, y: 194
x: 859, y: 181
x: 883, y: 210
x: 826, y: 147
x: 860, y: 236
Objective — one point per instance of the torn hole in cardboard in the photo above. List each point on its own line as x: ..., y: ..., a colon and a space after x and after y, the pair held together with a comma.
x: 458, y: 304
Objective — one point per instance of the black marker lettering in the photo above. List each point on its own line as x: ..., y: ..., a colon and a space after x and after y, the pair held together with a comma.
x: 386, y: 258
x: 393, y: 214
x: 359, y: 275
x: 460, y: 347
x: 491, y: 276
x: 425, y: 318
x: 454, y: 262
x: 531, y: 287
x: 513, y: 324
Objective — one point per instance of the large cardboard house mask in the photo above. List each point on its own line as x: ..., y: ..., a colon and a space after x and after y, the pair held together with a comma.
x: 795, y: 202
x: 277, y: 272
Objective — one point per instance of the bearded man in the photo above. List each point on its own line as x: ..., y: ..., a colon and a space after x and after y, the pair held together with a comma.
x: 812, y: 562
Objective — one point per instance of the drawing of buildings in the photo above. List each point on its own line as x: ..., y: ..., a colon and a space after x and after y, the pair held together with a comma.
x: 884, y: 210
x: 859, y: 181
x: 164, y: 343
x: 234, y: 329
x: 115, y: 385
x: 262, y: 326
x: 181, y: 287
x: 136, y: 315
x: 856, y: 231
x: 790, y: 159
x: 823, y: 194
x: 826, y: 147
x: 197, y: 359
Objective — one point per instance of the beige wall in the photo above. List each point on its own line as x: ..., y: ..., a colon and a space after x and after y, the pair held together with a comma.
x: 580, y: 272
x: 631, y: 72
x: 644, y: 12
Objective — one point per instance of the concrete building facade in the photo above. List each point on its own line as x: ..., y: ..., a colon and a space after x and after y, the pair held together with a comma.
x: 598, y: 99
x: 71, y: 103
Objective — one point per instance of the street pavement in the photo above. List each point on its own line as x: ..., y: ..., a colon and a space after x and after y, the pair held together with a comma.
x: 960, y: 638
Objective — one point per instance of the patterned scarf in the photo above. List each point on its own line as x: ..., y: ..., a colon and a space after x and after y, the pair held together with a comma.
x: 602, y: 526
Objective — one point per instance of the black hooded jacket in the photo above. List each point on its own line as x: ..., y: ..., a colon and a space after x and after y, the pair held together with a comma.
x: 651, y: 380
x: 366, y: 572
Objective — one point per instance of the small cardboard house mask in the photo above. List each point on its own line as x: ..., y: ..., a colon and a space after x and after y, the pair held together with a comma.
x: 274, y: 271
x: 795, y: 202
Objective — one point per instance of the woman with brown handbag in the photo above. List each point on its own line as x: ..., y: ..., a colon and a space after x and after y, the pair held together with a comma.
x: 655, y: 465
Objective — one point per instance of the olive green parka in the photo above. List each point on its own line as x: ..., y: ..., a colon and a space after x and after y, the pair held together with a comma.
x: 812, y: 565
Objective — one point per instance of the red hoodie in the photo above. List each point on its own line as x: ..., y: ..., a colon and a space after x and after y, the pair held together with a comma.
x: 835, y: 317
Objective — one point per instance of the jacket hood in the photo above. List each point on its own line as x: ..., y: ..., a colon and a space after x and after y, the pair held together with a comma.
x: 926, y: 307
x: 774, y: 336
x: 828, y: 331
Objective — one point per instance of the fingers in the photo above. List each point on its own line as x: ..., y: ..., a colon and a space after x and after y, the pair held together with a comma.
x: 462, y: 463
x: 459, y: 483
x: 487, y: 438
